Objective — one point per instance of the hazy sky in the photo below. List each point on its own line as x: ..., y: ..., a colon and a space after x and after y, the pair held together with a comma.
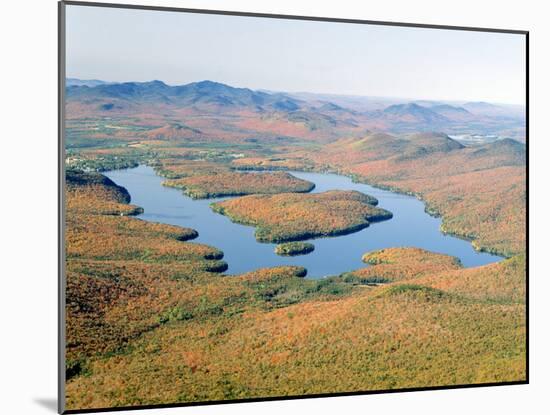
x: 289, y: 55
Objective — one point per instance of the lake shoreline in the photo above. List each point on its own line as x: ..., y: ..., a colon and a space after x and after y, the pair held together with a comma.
x: 361, y: 179
x: 244, y: 255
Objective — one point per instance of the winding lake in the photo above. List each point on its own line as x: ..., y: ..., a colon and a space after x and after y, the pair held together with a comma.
x: 410, y: 226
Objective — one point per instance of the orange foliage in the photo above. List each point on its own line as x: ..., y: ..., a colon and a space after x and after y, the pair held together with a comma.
x: 289, y: 216
x: 236, y: 184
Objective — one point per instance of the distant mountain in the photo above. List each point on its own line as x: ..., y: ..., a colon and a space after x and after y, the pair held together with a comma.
x: 196, y: 94
x: 493, y: 110
x: 427, y: 102
x: 414, y: 113
x: 453, y: 113
x: 480, y: 106
x: 330, y: 106
x: 84, y: 82
x: 350, y: 102
x: 286, y: 105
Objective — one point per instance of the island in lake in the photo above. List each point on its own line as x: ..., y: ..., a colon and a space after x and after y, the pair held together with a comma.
x: 289, y: 217
x: 294, y: 248
x: 204, y: 186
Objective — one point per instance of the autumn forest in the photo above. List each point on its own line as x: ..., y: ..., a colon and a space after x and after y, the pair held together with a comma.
x: 154, y: 316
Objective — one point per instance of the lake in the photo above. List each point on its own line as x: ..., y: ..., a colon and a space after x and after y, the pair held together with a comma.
x: 410, y: 226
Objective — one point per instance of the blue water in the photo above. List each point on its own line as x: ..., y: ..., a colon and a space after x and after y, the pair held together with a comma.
x: 410, y: 226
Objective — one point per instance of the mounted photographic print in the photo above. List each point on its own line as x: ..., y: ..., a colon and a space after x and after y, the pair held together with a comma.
x: 259, y: 207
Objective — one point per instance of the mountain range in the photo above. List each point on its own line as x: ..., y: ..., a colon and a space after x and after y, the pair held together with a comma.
x: 196, y: 94
x: 304, y: 117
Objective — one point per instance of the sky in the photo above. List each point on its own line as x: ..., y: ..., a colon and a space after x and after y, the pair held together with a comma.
x: 122, y: 45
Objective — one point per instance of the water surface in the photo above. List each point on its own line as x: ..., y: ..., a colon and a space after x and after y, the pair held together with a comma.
x: 410, y: 226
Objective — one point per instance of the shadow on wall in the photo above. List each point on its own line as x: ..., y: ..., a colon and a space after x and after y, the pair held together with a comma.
x: 48, y: 403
